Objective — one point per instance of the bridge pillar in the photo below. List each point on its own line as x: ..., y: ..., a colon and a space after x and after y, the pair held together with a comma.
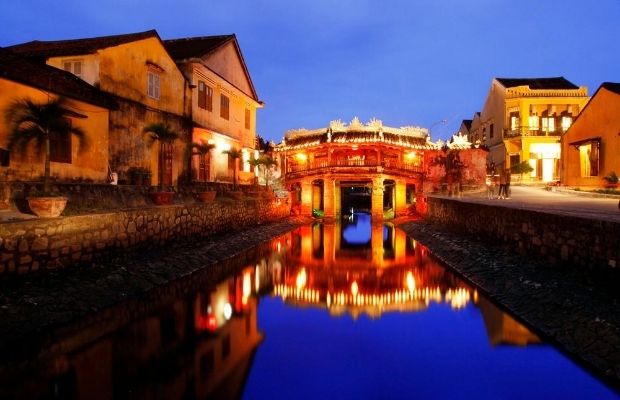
x: 400, y: 198
x: 329, y: 207
x: 376, y: 209
x: 306, y: 198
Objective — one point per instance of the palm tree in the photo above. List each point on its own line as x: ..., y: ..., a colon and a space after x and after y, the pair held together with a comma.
x: 203, y: 150
x: 255, y: 162
x: 164, y: 135
x: 234, y: 154
x: 267, y: 163
x: 38, y: 122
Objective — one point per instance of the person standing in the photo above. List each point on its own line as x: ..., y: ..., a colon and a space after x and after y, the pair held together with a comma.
x: 507, y: 187
x: 502, y: 184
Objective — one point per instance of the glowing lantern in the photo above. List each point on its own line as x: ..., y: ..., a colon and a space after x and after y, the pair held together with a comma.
x: 354, y: 288
x: 301, y: 279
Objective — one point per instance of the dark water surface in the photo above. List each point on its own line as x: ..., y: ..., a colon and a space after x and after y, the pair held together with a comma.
x: 344, y: 311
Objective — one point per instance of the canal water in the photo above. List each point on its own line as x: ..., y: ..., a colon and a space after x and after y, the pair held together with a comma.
x: 341, y: 311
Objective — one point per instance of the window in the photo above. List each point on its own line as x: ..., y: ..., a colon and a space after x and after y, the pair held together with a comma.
x: 589, y: 159
x: 73, y: 66
x: 548, y: 124
x: 491, y: 131
x: 209, y: 95
x: 533, y: 121
x: 60, y: 147
x: 567, y: 121
x: 202, y: 95
x: 205, y: 96
x: 224, y: 107
x: 514, y: 160
x: 514, y: 121
x: 5, y: 157
x: 247, y: 119
x: 153, y: 85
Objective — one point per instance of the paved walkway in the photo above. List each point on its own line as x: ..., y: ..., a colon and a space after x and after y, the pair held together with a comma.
x: 539, y: 199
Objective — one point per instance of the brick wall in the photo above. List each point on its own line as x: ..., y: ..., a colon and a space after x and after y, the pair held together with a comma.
x: 559, y: 239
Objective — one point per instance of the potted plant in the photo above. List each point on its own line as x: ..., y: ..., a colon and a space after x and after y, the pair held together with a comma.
x: 164, y: 135
x: 39, y: 122
x: 523, y: 167
x: 611, y: 180
x: 203, y: 151
x: 234, y: 155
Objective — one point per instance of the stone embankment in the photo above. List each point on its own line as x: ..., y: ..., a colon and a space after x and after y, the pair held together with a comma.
x: 558, y: 239
x: 39, y: 310
x: 47, y: 244
x: 576, y: 308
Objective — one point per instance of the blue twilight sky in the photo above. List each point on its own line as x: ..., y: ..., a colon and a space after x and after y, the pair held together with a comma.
x: 406, y: 62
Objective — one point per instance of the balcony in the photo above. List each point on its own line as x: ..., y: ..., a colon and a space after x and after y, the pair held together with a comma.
x: 353, y: 166
x: 526, y: 131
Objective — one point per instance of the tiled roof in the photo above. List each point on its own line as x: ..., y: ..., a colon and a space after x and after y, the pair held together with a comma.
x: 538, y: 83
x: 612, y: 87
x: 182, y: 49
x: 357, y: 137
x: 45, y: 49
x: 467, y: 123
x: 45, y: 77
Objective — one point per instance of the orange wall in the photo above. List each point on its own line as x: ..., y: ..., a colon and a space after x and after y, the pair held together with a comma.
x: 90, y: 163
x: 600, y: 118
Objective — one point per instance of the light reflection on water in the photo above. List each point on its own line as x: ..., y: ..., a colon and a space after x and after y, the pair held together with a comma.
x: 349, y: 310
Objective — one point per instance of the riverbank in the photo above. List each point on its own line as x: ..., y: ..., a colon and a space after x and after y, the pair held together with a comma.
x: 36, y: 308
x: 575, y: 308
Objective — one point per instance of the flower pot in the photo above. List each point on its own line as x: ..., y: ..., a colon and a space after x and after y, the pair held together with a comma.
x: 47, y: 207
x: 205, y: 197
x: 161, y: 198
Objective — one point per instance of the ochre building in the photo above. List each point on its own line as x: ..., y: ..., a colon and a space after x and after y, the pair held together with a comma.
x: 591, y: 147
x: 523, y: 119
x: 342, y: 168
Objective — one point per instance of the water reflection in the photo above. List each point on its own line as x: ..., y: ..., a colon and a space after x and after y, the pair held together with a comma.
x: 197, y: 341
x: 362, y: 268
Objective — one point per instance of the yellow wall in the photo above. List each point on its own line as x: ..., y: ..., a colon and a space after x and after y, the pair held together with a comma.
x: 600, y: 118
x: 234, y: 127
x: 91, y: 163
x: 123, y: 71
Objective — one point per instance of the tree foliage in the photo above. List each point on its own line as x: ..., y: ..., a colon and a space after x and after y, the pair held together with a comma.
x: 31, y: 122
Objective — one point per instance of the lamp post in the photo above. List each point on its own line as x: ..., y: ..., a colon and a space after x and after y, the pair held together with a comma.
x: 440, y: 122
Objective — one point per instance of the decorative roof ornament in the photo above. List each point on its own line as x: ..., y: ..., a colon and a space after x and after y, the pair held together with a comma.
x: 356, y: 125
x: 337, y: 126
x: 459, y: 142
x: 375, y: 124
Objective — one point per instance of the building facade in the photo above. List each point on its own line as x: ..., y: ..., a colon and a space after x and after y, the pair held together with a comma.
x: 358, y: 166
x: 147, y: 85
x: 87, y: 108
x: 523, y: 120
x: 591, y: 147
x: 223, y: 105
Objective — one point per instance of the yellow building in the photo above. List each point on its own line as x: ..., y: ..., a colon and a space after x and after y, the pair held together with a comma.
x: 523, y: 120
x: 145, y: 81
x: 591, y: 147
x: 89, y: 110
x: 223, y: 105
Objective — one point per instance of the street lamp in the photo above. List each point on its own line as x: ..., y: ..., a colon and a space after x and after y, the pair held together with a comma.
x: 440, y: 122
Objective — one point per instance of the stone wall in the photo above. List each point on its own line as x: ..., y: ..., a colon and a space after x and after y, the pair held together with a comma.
x: 35, y: 245
x: 559, y: 239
